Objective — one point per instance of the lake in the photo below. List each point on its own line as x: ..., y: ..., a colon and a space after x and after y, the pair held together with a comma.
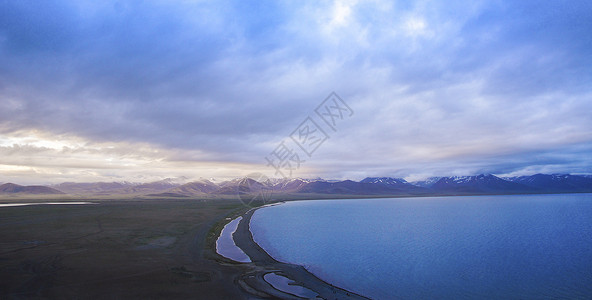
x: 511, y: 247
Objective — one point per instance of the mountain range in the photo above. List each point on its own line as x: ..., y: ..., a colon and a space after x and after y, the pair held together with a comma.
x: 379, y: 186
x: 11, y: 188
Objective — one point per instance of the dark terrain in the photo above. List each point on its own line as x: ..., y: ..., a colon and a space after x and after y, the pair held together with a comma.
x: 143, y: 249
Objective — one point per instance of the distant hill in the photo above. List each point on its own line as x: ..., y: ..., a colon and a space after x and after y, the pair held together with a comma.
x: 480, y: 184
x: 388, y: 186
x: 116, y: 188
x: 195, y: 188
x: 290, y: 185
x: 341, y: 187
x: 92, y: 188
x: 484, y: 184
x: 368, y: 186
x: 147, y: 188
x: 426, y: 182
x: 556, y: 183
x: 11, y: 188
x: 388, y: 181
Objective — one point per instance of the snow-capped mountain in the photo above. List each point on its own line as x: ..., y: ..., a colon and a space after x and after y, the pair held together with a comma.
x: 427, y: 182
x: 378, y: 186
x: 480, y: 184
x: 384, y: 180
x: 556, y: 183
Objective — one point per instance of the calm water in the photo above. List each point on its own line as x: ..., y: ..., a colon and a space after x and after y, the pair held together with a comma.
x: 225, y: 245
x: 511, y: 247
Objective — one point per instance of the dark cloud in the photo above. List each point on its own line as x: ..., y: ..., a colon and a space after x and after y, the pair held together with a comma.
x: 231, y: 79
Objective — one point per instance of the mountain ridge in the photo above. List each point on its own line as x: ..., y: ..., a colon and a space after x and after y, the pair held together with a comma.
x: 11, y: 188
x: 482, y: 184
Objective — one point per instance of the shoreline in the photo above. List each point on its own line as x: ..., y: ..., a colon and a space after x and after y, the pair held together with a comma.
x: 253, y: 281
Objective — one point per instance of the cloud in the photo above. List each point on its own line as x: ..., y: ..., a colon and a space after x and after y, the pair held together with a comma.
x: 448, y: 86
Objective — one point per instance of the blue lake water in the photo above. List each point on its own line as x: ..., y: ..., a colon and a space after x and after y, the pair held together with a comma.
x: 225, y: 245
x: 492, y: 247
x: 286, y: 285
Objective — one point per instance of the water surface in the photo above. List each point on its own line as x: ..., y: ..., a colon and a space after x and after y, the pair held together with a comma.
x: 225, y: 245
x: 512, y: 247
x: 287, y: 285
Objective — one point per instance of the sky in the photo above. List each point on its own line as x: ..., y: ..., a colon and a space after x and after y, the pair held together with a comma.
x: 144, y: 90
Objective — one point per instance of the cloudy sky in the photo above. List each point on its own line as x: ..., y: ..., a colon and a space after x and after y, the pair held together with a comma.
x: 144, y: 90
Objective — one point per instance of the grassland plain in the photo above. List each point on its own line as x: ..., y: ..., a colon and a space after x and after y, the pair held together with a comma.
x: 117, y: 249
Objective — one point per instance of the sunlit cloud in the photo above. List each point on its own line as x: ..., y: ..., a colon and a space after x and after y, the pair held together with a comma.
x: 146, y: 90
x: 35, y: 157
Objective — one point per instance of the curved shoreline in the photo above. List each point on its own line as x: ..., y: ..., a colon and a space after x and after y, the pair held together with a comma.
x: 264, y: 264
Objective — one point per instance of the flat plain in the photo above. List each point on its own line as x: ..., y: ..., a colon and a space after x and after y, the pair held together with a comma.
x: 117, y: 249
